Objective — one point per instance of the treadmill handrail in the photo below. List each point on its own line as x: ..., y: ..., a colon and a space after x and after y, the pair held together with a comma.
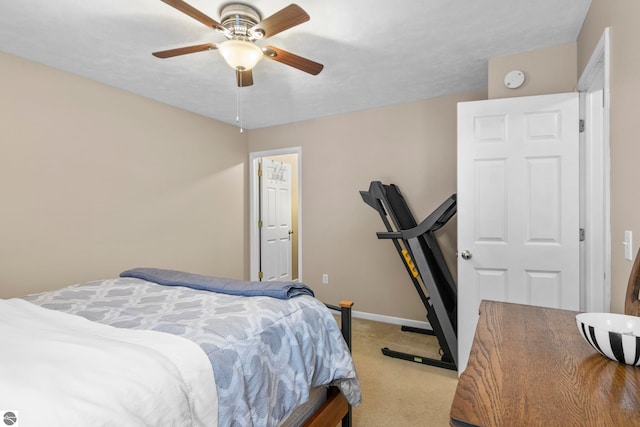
x: 446, y: 209
x: 389, y: 234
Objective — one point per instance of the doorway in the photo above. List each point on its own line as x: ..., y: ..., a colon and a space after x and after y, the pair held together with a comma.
x: 291, y: 157
x: 594, y: 114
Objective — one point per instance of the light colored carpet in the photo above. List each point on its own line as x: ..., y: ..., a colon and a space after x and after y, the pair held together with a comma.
x: 397, y: 392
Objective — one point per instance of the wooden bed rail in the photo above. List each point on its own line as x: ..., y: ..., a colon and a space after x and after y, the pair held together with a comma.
x: 336, y: 406
x: 331, y: 412
x: 344, y: 307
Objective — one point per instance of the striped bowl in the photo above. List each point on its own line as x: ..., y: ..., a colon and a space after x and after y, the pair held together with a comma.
x: 616, y: 336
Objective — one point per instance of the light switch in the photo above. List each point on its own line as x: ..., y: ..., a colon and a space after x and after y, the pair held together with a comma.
x: 628, y: 245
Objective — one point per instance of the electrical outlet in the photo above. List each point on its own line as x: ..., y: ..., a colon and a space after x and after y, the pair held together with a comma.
x: 325, y: 278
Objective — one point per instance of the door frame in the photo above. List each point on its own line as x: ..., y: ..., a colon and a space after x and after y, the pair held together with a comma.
x: 595, y: 178
x: 254, y: 206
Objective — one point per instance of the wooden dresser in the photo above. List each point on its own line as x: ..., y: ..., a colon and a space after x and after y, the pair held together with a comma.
x: 529, y: 366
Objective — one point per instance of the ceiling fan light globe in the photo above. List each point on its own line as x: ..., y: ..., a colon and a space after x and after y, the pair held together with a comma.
x: 241, y: 55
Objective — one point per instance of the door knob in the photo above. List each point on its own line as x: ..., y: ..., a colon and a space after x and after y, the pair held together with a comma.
x: 465, y: 254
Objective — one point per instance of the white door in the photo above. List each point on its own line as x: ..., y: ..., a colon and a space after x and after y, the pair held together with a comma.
x: 518, y: 206
x: 275, y: 215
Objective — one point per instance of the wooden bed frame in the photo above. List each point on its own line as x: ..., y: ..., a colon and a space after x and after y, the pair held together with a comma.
x: 336, y: 407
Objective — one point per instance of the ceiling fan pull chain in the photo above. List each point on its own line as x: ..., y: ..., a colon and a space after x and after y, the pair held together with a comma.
x: 239, y: 106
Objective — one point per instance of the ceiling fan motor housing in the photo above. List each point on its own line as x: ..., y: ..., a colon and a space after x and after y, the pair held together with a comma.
x: 238, y: 19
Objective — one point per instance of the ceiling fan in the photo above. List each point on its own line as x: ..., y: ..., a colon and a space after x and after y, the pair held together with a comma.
x: 242, y: 25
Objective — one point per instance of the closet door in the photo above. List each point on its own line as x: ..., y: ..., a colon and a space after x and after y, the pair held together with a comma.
x: 275, y: 215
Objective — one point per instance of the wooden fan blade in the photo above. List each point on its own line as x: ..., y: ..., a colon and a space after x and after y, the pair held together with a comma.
x: 244, y: 78
x: 292, y: 60
x: 194, y: 13
x: 284, y: 19
x: 184, y: 50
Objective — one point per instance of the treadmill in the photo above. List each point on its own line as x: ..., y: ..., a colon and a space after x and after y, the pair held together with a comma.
x: 418, y: 248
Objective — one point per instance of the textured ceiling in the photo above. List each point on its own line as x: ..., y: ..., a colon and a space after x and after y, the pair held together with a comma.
x: 375, y: 52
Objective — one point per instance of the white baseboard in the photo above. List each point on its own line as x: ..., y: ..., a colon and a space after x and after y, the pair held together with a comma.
x: 391, y: 319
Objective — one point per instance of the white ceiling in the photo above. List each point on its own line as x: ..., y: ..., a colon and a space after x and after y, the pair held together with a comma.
x: 375, y: 52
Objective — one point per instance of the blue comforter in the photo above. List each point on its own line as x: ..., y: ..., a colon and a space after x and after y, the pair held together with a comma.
x: 264, y: 363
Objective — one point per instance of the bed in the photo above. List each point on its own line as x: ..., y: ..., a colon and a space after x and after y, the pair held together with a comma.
x: 233, y: 354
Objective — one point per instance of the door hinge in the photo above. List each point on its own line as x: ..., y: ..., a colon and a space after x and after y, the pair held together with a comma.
x: 581, y: 125
x: 260, y: 223
x: 260, y: 275
x: 582, y: 234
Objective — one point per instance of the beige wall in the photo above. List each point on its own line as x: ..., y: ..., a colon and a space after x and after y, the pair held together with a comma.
x: 623, y: 17
x: 550, y: 70
x: 95, y: 180
x: 412, y: 145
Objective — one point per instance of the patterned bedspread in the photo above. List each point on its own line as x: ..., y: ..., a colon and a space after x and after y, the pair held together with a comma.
x: 264, y: 364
